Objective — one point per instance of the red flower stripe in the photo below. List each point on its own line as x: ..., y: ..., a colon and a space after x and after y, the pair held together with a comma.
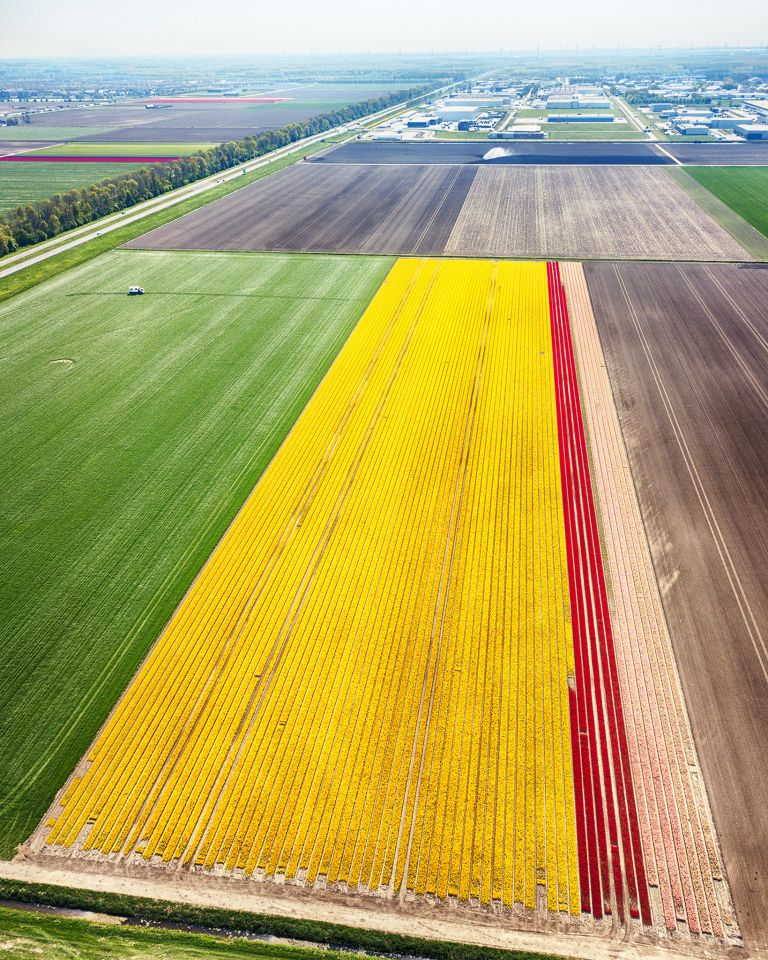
x: 611, y: 868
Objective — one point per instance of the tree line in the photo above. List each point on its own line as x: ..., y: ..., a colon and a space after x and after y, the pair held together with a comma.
x: 35, y: 222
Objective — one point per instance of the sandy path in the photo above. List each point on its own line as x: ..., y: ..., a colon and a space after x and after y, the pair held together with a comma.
x: 411, y: 919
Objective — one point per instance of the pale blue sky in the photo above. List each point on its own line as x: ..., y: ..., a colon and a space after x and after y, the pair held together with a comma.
x: 154, y: 27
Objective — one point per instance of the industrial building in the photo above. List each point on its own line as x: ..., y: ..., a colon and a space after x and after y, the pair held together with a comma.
x: 693, y: 130
x: 753, y: 131
x: 420, y: 120
x: 759, y: 106
x: 519, y: 132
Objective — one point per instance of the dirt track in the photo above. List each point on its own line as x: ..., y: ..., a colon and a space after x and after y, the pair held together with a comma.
x: 686, y: 349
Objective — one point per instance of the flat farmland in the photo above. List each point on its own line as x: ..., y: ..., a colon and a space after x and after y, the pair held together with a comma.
x: 376, y: 543
x: 381, y: 682
x: 121, y: 149
x: 10, y: 148
x: 74, y: 122
x: 685, y: 347
x: 508, y: 211
x: 363, y: 209
x: 46, y: 133
x: 26, y: 182
x: 586, y: 212
x: 138, y: 426
x: 192, y: 122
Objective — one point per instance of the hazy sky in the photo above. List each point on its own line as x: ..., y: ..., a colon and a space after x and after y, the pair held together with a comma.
x: 43, y: 28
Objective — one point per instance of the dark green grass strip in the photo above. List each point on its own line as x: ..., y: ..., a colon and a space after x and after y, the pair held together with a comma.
x: 32, y: 935
x: 311, y: 931
x: 743, y: 189
x: 133, y: 430
x: 38, y: 272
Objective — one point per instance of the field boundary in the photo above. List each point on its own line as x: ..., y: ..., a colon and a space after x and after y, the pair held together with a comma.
x: 744, y: 233
x: 369, y: 925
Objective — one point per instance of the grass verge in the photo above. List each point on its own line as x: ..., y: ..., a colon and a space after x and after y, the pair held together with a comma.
x: 142, y: 909
x: 31, y: 935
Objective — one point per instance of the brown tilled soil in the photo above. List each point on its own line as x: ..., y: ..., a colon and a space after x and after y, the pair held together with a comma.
x: 687, y: 354
x: 680, y: 849
x: 337, y: 209
x: 508, y: 211
x: 587, y: 212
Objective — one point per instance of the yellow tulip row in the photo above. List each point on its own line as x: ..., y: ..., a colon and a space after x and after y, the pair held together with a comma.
x: 367, y: 683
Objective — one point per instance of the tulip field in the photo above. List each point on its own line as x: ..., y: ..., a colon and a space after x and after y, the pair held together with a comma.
x: 369, y: 680
x: 410, y: 669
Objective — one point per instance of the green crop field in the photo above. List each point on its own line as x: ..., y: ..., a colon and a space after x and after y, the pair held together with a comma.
x: 137, y: 427
x: 117, y: 149
x: 743, y: 189
x: 543, y: 112
x: 25, y: 936
x: 32, y: 132
x: 27, y: 182
x: 592, y: 131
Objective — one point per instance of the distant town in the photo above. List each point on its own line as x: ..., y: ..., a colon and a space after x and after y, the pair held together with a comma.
x: 619, y: 108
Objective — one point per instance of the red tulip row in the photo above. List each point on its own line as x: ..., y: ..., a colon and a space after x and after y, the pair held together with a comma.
x: 611, y: 868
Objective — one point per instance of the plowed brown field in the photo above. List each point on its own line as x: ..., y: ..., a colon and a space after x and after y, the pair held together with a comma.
x: 316, y: 209
x: 686, y: 348
x: 636, y: 213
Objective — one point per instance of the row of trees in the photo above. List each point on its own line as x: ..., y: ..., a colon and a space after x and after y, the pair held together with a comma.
x: 35, y: 222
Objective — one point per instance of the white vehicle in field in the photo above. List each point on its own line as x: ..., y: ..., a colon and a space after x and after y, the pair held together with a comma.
x: 135, y: 291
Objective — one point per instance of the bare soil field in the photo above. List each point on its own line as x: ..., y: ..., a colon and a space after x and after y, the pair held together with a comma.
x: 213, y: 122
x: 720, y: 154
x: 9, y: 148
x: 344, y: 209
x: 685, y: 347
x: 201, y: 122
x: 468, y: 151
x: 112, y: 117
x: 637, y: 213
x: 682, y: 861
x: 527, y: 212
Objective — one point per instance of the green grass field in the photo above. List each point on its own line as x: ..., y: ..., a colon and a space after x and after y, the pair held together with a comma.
x: 543, y: 112
x: 685, y: 138
x: 26, y: 182
x: 117, y: 149
x: 743, y: 189
x: 461, y: 135
x: 25, y: 936
x: 33, y: 132
x: 133, y: 430
x: 592, y: 131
